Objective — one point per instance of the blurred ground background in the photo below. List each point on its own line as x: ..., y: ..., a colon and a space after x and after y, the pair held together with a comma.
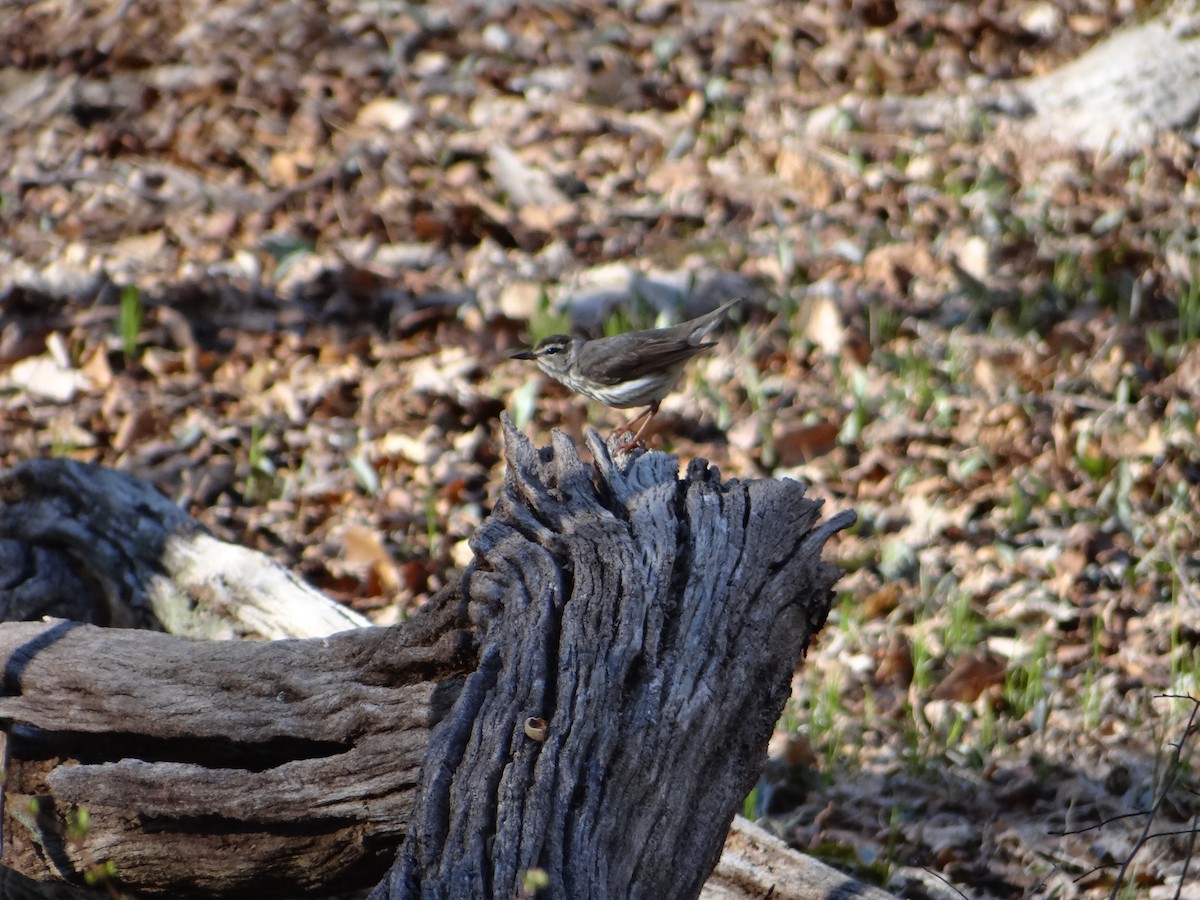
x: 272, y: 256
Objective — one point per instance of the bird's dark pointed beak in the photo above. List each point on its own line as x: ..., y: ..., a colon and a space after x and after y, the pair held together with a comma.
x: 524, y: 354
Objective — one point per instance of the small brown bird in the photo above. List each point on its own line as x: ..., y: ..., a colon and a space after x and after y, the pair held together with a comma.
x: 632, y: 369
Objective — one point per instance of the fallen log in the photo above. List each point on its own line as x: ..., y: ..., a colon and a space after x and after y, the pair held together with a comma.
x: 218, y: 768
x: 94, y: 545
x: 652, y: 622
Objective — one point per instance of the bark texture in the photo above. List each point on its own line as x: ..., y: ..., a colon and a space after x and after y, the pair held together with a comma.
x: 756, y: 865
x: 654, y: 623
x: 91, y: 544
x: 223, y: 768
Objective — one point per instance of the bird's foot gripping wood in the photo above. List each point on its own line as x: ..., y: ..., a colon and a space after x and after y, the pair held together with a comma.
x: 625, y: 439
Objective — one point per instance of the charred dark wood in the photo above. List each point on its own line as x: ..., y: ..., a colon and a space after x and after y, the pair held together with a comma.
x: 652, y: 621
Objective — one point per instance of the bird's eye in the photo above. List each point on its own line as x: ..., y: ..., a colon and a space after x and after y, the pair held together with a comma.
x: 550, y: 350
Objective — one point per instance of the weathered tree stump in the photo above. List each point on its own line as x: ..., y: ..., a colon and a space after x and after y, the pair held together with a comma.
x: 653, y: 622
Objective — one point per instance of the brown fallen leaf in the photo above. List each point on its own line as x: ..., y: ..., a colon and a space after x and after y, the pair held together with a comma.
x: 970, y: 677
x: 137, y: 425
x: 800, y: 444
x: 96, y: 367
x: 821, y: 321
x: 895, y: 666
x: 364, y: 546
x: 42, y: 377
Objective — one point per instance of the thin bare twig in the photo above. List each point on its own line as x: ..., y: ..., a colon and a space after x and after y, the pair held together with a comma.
x: 1173, y: 770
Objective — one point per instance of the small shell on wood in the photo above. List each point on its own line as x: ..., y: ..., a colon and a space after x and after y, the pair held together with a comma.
x: 536, y: 728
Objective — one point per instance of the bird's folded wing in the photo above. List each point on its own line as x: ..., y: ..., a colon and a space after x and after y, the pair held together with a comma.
x: 605, y: 366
